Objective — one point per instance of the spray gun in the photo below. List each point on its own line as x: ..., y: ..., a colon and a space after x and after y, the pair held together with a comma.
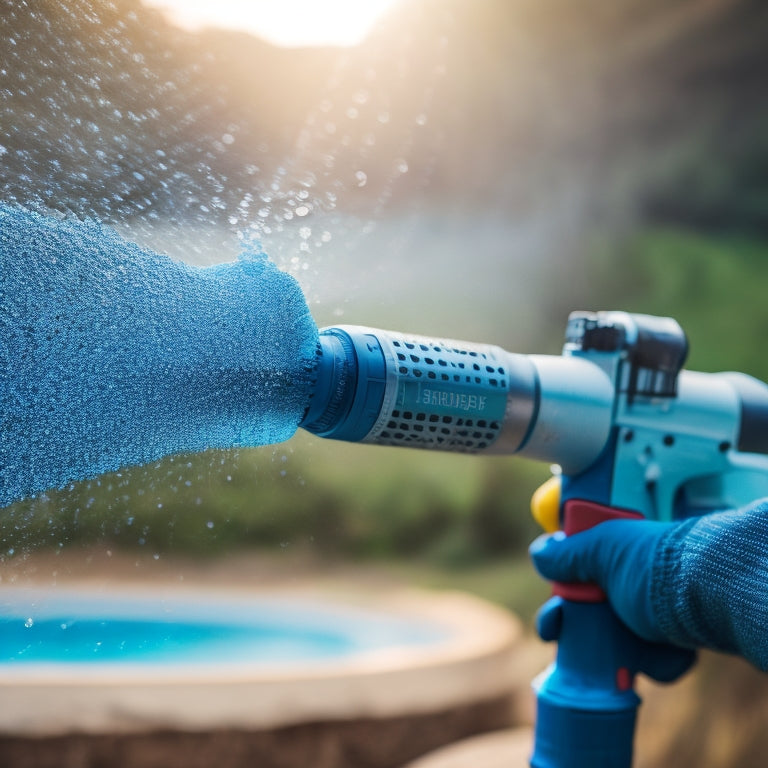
x: 631, y: 433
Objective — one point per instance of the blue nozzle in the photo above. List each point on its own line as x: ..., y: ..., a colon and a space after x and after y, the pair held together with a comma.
x: 350, y: 385
x: 387, y: 388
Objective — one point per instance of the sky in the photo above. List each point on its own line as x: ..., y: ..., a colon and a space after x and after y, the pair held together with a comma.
x: 287, y: 23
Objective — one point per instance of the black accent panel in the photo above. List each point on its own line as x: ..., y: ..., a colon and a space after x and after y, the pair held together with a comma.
x: 753, y: 430
x: 655, y: 346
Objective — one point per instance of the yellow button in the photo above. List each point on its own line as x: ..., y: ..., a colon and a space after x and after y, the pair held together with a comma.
x: 545, y: 505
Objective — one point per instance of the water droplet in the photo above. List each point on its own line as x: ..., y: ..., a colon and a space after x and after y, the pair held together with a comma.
x: 228, y: 138
x: 209, y: 525
x: 302, y: 210
x: 362, y: 178
x: 305, y: 232
x: 29, y: 622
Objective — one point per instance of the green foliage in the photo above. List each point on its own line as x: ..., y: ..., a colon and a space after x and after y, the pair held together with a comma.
x: 332, y: 499
x: 713, y: 285
x: 716, y: 180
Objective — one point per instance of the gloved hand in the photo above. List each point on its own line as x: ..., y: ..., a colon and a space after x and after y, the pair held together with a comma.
x: 618, y: 555
x: 699, y: 583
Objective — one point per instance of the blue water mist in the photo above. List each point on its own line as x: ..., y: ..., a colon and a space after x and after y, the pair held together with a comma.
x: 112, y: 355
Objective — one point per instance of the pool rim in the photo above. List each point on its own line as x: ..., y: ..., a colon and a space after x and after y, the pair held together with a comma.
x: 473, y: 664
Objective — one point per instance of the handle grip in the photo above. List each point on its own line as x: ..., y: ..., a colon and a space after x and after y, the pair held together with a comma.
x: 586, y: 704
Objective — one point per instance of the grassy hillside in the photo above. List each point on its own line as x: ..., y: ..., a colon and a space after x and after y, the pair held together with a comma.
x: 654, y: 107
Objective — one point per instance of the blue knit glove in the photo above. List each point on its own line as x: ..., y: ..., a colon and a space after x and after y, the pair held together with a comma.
x: 700, y: 583
x: 619, y: 556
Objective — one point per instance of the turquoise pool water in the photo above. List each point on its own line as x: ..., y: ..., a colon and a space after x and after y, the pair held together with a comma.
x: 86, y: 629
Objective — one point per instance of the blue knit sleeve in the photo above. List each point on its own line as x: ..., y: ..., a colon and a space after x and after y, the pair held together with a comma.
x: 710, y: 583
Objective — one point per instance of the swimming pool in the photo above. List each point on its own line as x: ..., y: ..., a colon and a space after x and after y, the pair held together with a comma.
x: 131, y: 674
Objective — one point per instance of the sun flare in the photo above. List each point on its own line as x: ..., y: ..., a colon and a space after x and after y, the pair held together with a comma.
x: 287, y: 23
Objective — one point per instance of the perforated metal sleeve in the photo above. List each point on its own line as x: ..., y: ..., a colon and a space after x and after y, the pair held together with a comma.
x: 444, y: 394
x: 424, y: 393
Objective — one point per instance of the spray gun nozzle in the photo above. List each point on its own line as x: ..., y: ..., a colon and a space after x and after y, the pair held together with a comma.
x: 349, y: 384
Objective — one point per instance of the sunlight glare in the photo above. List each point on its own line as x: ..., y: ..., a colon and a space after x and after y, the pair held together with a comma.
x: 287, y: 23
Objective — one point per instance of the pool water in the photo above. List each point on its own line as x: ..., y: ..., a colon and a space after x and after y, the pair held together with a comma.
x: 87, y: 629
x: 68, y: 639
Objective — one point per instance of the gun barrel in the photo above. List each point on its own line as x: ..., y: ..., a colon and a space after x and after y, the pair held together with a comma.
x: 395, y: 389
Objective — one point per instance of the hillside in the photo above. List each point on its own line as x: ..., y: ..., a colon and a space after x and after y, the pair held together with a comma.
x: 657, y: 108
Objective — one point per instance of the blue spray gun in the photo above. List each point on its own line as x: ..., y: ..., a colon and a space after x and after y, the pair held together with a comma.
x: 633, y: 435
